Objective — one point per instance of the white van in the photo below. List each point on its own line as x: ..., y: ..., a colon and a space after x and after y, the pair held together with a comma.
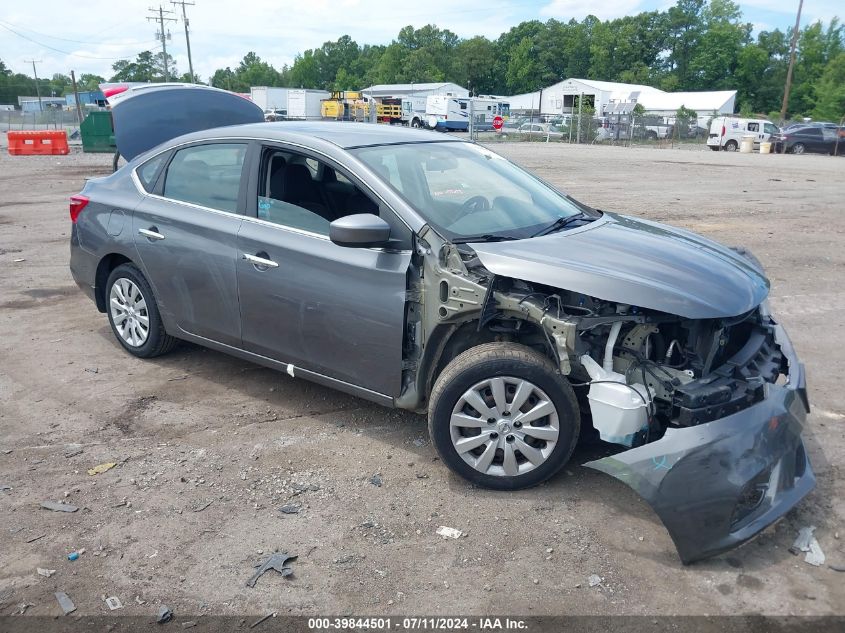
x: 726, y: 132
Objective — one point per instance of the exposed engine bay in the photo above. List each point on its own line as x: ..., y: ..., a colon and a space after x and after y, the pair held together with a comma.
x: 710, y: 408
x: 646, y: 370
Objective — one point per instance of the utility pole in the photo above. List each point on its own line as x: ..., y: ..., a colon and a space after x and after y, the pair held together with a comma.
x: 788, y: 85
x: 37, y: 89
x: 187, y: 36
x: 162, y: 35
x: 76, y: 97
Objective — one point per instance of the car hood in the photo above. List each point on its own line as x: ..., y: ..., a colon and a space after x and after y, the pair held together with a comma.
x: 148, y: 115
x: 637, y: 262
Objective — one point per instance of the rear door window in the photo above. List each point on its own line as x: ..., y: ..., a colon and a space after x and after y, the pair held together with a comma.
x: 148, y: 172
x: 207, y: 175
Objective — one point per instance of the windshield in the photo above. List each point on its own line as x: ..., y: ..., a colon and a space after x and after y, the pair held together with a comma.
x: 465, y: 190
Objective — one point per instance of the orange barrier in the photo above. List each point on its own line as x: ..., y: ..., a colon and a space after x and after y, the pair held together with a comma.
x: 38, y: 143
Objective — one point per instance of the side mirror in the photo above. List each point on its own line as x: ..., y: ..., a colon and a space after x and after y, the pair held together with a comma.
x: 362, y: 230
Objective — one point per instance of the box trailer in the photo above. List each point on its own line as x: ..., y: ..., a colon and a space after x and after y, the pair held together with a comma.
x: 269, y: 98
x: 304, y: 104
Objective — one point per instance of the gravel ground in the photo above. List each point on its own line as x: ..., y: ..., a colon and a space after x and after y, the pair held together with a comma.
x: 209, y: 447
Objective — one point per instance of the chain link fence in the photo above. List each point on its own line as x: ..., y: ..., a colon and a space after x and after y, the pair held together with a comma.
x: 628, y: 130
x: 49, y: 119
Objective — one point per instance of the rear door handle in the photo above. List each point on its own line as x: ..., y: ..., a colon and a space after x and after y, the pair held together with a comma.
x: 151, y: 233
x: 260, y: 262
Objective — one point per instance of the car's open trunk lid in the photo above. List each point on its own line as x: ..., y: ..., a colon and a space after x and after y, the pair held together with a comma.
x: 146, y: 115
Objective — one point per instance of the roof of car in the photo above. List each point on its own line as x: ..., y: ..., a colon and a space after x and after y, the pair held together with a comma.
x: 341, y: 133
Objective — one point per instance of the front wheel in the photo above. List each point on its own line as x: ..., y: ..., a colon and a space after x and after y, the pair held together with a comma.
x: 502, y: 417
x: 133, y: 314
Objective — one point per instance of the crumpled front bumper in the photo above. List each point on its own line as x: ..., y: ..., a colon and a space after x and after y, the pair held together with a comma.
x: 717, y: 484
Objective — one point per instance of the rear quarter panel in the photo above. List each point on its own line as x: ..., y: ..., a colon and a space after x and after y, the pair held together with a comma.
x: 104, y: 226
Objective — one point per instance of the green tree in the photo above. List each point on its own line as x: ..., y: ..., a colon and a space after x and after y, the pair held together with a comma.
x: 685, y: 29
x: 713, y: 65
x: 142, y: 69
x: 475, y: 65
x: 523, y: 72
x: 830, y: 91
x: 817, y: 46
x: 89, y: 81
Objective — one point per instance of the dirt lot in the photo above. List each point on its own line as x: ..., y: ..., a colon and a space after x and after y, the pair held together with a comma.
x: 196, y: 428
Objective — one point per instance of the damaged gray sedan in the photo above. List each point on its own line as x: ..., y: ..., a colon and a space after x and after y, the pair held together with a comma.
x: 427, y: 273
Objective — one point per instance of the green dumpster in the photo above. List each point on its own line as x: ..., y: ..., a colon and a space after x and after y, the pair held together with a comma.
x: 97, y: 133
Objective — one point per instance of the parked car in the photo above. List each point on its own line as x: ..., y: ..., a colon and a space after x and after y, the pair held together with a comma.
x: 539, y: 130
x: 275, y: 114
x: 810, y: 139
x: 823, y: 124
x: 424, y: 272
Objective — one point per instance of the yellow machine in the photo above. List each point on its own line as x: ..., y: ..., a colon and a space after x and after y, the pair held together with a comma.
x: 344, y: 105
x: 350, y: 105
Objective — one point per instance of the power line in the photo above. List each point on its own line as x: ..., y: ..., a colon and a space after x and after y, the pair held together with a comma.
x: 67, y: 39
x: 187, y: 36
x: 161, y: 35
x: 58, y: 50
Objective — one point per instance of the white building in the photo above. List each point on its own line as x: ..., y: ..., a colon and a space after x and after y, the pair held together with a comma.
x: 562, y: 98
x: 399, y: 91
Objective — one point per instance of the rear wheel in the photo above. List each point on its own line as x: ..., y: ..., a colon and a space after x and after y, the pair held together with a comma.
x: 416, y: 123
x: 133, y: 314
x: 798, y: 148
x: 731, y: 146
x: 502, y: 417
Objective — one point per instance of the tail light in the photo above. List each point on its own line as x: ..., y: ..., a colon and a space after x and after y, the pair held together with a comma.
x: 723, y: 130
x: 114, y: 90
x: 77, y: 203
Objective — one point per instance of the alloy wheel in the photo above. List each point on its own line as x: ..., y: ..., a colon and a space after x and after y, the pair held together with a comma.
x: 129, y: 312
x: 504, y: 426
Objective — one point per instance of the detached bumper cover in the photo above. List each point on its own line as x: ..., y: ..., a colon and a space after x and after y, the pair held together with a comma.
x: 717, y: 484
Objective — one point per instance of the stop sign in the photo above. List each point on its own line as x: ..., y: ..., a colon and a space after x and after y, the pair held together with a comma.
x: 498, y: 122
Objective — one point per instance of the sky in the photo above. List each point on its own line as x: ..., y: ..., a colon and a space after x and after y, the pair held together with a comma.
x: 90, y: 35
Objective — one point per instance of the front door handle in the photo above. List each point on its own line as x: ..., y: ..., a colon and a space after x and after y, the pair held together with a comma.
x: 260, y: 262
x: 151, y: 233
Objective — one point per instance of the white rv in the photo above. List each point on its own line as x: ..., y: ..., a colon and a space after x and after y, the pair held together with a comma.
x: 447, y: 113
x: 726, y: 132
x: 413, y: 111
x: 453, y: 113
x: 485, y: 109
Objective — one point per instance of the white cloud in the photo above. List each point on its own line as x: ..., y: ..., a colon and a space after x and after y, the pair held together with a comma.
x: 223, y: 31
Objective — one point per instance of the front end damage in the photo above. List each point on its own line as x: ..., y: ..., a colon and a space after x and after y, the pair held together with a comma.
x: 719, y: 482
x: 712, y: 409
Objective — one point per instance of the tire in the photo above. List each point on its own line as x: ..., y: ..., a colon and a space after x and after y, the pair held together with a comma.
x: 416, y: 123
x: 514, y: 367
x: 731, y: 146
x: 798, y: 148
x: 651, y: 135
x: 157, y: 341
